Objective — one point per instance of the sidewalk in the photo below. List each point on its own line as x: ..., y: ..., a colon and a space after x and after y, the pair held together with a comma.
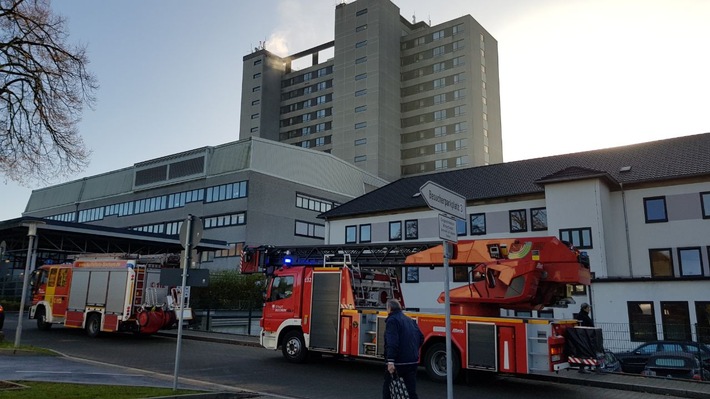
x: 618, y: 381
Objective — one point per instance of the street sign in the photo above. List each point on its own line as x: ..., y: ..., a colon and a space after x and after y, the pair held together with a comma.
x: 195, y: 234
x: 447, y: 228
x: 443, y: 200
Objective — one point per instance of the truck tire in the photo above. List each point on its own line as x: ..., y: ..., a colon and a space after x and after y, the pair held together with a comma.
x: 294, y: 347
x: 41, y: 317
x: 93, y: 325
x: 435, y: 362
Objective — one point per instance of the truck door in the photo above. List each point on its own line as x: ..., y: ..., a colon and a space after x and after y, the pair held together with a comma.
x: 58, y: 290
x: 281, y: 304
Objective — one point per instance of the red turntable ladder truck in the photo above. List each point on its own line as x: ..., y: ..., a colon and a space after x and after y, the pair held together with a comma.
x: 331, y: 299
x: 107, y: 292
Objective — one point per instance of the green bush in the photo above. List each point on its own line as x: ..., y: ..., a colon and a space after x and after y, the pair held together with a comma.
x: 10, y: 304
x: 230, y: 290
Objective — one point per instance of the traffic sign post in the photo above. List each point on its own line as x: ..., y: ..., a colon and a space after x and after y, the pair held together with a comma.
x: 452, y: 206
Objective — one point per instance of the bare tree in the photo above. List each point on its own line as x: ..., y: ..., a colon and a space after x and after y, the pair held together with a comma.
x: 44, y: 85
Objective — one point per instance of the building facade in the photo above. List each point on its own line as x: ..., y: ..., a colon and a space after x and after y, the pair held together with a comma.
x: 641, y: 212
x: 395, y: 99
x: 248, y: 192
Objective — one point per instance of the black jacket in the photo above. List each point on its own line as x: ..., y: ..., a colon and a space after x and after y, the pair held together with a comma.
x: 583, y: 317
x: 402, y: 339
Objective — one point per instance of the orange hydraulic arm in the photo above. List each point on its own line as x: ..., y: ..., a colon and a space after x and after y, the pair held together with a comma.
x: 518, y: 274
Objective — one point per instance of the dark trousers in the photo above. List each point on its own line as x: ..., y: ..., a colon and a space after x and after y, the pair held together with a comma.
x: 408, y: 374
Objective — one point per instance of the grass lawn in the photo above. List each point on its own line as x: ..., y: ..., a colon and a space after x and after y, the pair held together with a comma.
x: 80, y: 391
x: 9, y: 346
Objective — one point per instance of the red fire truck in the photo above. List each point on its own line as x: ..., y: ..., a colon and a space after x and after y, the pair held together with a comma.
x: 331, y: 299
x: 107, y: 293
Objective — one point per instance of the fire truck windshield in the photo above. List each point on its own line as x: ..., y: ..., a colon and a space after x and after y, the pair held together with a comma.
x: 281, y: 288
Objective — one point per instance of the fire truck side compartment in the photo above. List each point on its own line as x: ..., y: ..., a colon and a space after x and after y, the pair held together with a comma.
x: 79, y: 289
x: 325, y: 311
x: 116, y: 293
x: 482, y: 346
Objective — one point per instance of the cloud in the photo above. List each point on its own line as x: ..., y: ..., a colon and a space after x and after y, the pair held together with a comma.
x: 301, y: 25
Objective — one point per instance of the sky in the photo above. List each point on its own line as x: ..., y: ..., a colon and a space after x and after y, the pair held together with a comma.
x: 575, y: 75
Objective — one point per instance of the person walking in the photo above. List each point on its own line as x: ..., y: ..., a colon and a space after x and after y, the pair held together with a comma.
x: 403, y: 339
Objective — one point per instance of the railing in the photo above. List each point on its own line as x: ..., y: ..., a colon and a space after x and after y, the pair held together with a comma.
x: 228, y: 321
x: 620, y: 337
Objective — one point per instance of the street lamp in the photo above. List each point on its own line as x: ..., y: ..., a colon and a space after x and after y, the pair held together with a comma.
x: 29, y: 265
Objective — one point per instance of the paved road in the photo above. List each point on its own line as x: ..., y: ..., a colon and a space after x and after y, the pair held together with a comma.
x: 261, y: 370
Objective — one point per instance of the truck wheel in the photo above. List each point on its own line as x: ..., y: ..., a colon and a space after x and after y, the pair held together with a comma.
x: 294, y: 347
x: 435, y: 362
x: 93, y: 325
x: 42, y: 320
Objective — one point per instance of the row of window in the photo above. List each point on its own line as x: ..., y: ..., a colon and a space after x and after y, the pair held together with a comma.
x: 439, y: 164
x: 655, y: 209
x: 211, y: 194
x: 437, y: 148
x: 433, y: 100
x: 314, y: 204
x: 321, y: 113
x: 438, y: 83
x: 438, y: 131
x: 675, y: 321
x: 311, y: 102
x: 690, y: 262
x: 305, y: 77
x: 435, y: 52
x: 306, y: 130
x: 307, y: 90
x: 438, y: 115
x: 316, y: 142
x: 434, y: 68
x: 438, y: 35
x: 308, y: 229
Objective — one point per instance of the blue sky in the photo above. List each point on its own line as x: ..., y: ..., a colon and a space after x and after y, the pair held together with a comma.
x: 575, y: 74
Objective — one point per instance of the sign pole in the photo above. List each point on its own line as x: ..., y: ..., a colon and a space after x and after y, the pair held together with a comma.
x: 185, y: 265
x: 447, y: 305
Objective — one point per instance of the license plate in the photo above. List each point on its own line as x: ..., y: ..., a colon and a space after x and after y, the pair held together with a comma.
x: 555, y: 358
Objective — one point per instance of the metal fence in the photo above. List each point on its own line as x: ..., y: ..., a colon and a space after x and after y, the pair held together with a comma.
x: 621, y: 337
x: 243, y: 320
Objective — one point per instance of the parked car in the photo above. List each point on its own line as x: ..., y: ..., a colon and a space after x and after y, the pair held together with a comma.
x: 676, y: 365
x: 2, y: 317
x: 634, y: 361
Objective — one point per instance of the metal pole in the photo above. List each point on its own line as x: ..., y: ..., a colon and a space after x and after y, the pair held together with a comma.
x: 447, y: 305
x: 29, y: 262
x: 185, y: 264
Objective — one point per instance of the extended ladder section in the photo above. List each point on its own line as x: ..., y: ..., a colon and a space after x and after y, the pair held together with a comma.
x: 265, y: 259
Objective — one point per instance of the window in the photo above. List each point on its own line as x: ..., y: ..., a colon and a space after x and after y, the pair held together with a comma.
x: 459, y: 110
x: 439, y: 98
x: 361, y: 12
x: 234, y: 219
x: 705, y: 200
x: 314, y: 204
x: 256, y: 75
x: 439, y: 66
x: 438, y: 35
x: 361, y: 76
x: 255, y: 89
x: 257, y: 62
x: 441, y: 164
x: 360, y: 92
x: 458, y: 29
x: 538, y: 219
x: 281, y: 288
x: 312, y: 230
x: 361, y: 108
x: 361, y: 60
x: 460, y: 227
x: 361, y: 158
x: 655, y: 209
x: 256, y: 102
x: 676, y: 321
x: 458, y: 45
x: 395, y: 231
x: 580, y: 238
x: 478, y: 224
x: 702, y: 313
x: 690, y: 262
x: 360, y: 141
x: 361, y: 43
x: 642, y: 321
x: 460, y: 274
x: 320, y: 127
x: 661, y: 262
x: 360, y: 28
x: 411, y: 274
x: 365, y: 233
x: 360, y: 125
x: 439, y: 115
x: 350, y: 234
x: 320, y: 141
x: 460, y: 144
x: 411, y: 230
x: 439, y: 148
x: 437, y: 51
x: 438, y: 83
x: 255, y: 116
x: 546, y: 314
x: 440, y: 131
x: 235, y: 249
x: 226, y: 192
x: 321, y: 113
x: 518, y: 220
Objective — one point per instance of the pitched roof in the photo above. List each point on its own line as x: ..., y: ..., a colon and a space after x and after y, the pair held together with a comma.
x: 681, y: 157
